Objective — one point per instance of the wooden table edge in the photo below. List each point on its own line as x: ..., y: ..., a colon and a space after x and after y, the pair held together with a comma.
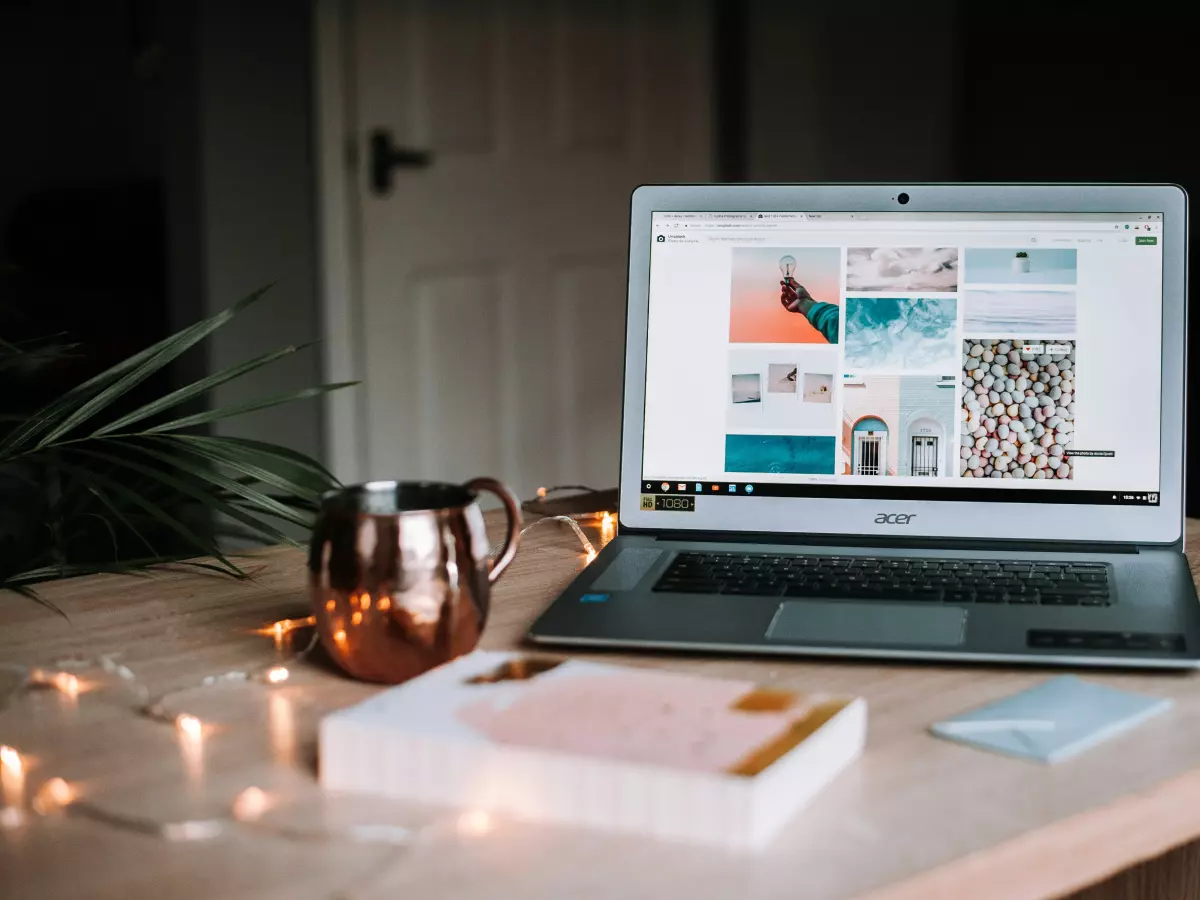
x: 1061, y: 858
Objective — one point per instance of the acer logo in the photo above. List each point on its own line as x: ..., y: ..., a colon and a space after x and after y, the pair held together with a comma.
x: 894, y: 518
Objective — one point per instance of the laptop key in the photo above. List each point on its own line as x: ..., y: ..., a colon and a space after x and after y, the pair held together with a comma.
x: 1060, y: 600
x: 960, y: 596
x: 688, y: 587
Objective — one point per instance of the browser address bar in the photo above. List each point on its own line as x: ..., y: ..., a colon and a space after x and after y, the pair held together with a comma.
x: 907, y: 226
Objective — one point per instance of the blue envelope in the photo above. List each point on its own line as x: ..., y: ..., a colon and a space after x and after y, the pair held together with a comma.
x: 1053, y: 721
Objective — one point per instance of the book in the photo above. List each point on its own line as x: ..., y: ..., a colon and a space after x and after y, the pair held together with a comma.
x: 1053, y: 721
x: 674, y: 756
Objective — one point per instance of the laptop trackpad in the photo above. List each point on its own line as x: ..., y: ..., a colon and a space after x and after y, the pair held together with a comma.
x: 876, y: 624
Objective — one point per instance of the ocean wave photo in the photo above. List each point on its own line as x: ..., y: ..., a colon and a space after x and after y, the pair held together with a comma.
x: 901, y: 334
x: 1004, y: 313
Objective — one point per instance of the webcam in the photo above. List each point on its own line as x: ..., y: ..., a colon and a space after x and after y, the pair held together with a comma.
x: 902, y: 198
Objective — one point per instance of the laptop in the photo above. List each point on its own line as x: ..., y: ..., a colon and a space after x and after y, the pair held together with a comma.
x: 920, y: 422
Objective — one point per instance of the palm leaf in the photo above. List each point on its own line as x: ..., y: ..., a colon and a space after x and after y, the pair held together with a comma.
x: 30, y: 594
x: 197, y: 491
x: 239, y: 461
x: 202, y: 545
x: 197, y: 388
x: 121, y: 517
x: 272, y: 451
x: 225, y: 412
x: 119, y: 379
x: 261, y: 501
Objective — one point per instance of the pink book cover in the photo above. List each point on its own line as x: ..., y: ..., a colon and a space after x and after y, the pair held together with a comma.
x: 643, y: 716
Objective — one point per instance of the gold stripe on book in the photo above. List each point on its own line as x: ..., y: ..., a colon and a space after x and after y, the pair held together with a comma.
x: 759, y: 759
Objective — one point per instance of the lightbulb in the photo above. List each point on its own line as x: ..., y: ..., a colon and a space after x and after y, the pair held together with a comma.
x: 787, y: 265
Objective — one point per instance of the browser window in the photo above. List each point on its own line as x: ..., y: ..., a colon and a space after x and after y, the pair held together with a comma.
x: 920, y: 355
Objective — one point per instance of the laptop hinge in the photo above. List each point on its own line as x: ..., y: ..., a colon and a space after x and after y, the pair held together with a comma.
x: 893, y: 543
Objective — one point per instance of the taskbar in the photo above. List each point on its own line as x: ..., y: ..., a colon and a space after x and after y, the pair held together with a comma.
x: 858, y: 491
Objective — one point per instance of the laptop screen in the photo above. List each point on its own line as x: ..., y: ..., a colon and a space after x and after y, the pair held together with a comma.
x: 905, y: 355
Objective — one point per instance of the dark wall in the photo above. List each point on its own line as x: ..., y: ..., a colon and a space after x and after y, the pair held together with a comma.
x: 865, y: 91
x: 81, y: 205
x: 1075, y: 92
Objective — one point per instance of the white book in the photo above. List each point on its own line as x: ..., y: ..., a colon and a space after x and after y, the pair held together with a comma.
x: 675, y: 756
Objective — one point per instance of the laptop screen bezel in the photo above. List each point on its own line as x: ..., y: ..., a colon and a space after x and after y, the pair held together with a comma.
x: 1161, y: 524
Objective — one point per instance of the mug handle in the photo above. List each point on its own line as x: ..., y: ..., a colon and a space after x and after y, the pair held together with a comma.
x: 513, y: 509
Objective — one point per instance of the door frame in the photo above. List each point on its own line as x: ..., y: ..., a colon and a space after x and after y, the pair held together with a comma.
x: 338, y: 295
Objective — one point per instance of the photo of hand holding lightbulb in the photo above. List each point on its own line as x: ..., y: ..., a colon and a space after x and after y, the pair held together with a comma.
x: 785, y: 295
x: 794, y: 296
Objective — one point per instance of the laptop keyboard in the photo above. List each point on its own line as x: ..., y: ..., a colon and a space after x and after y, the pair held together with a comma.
x: 863, y: 578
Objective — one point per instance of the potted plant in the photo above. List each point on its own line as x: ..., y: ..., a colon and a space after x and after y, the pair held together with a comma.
x: 91, y: 485
x: 1020, y: 262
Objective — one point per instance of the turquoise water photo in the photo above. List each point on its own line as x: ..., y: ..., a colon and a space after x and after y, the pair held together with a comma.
x: 901, y: 334
x: 781, y: 454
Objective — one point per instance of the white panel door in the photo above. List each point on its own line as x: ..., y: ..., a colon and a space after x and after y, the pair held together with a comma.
x: 492, y: 280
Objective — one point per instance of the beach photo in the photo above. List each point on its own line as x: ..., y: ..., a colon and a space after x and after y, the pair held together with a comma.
x: 765, y: 386
x: 1005, y: 313
x: 758, y: 311
x: 780, y: 454
x: 745, y: 388
x: 903, y: 269
x: 1018, y: 404
x: 818, y: 387
x: 901, y: 335
x: 899, y: 425
x: 1020, y: 265
x: 781, y: 378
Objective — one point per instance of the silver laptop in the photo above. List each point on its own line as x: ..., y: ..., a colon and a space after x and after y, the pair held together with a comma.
x: 913, y: 422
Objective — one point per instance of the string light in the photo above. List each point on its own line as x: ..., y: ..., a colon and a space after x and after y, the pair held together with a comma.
x: 53, y: 796
x: 12, y: 783
x: 475, y: 823
x: 250, y: 804
x: 10, y: 761
x: 248, y: 807
x: 570, y: 521
x: 68, y: 684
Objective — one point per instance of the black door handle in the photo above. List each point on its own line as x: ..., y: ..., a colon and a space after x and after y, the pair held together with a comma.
x: 386, y: 157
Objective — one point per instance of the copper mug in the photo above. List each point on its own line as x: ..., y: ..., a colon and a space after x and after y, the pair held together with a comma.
x: 399, y: 574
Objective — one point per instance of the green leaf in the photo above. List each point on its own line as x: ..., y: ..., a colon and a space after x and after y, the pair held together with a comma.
x: 30, y: 594
x: 202, y: 545
x: 120, y: 378
x: 121, y: 517
x: 225, y: 412
x: 197, y: 388
x: 111, y: 533
x: 197, y: 492
x: 258, y: 499
x: 284, y: 454
x: 239, y: 461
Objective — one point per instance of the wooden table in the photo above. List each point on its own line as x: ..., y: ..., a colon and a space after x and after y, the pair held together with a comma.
x: 916, y: 818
